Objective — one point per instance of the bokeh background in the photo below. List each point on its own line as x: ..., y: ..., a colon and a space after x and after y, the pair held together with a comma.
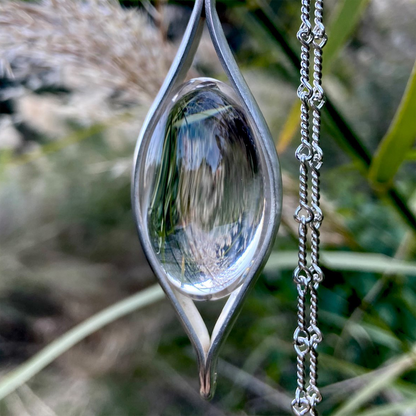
x: 77, y: 78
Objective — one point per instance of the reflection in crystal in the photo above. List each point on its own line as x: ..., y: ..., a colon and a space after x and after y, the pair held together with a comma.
x: 206, y: 202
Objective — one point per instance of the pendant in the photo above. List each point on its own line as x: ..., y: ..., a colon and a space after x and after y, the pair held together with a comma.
x: 206, y: 191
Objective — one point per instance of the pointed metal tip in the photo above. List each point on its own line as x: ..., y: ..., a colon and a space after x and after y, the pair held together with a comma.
x: 206, y: 395
x: 208, y: 383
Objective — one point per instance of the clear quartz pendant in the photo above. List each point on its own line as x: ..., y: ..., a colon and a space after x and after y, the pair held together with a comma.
x: 205, y: 199
x: 206, y: 191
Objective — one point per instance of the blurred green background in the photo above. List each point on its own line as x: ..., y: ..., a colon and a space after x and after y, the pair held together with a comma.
x: 77, y: 80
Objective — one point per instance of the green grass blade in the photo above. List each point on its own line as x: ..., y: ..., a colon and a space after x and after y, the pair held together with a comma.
x: 346, y: 18
x: 397, y: 142
x: 39, y: 361
x: 363, y: 330
x: 290, y: 128
x: 380, y: 381
x: 391, y: 409
x: 355, y: 372
x: 411, y: 155
x: 344, y: 260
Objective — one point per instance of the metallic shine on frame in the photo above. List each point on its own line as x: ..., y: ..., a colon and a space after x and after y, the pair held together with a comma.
x: 207, y: 347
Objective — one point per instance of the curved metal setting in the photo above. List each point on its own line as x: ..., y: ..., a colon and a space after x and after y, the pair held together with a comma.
x: 207, y: 347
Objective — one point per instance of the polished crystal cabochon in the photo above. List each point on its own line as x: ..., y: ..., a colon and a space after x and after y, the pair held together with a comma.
x: 204, y: 196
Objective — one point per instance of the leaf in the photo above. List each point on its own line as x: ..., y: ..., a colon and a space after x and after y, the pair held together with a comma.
x: 379, y: 381
x: 346, y: 18
x: 397, y: 142
x: 344, y: 260
x: 411, y: 155
x: 354, y: 373
x: 290, y: 128
x: 391, y: 409
x: 51, y: 352
x: 368, y: 262
x: 365, y: 330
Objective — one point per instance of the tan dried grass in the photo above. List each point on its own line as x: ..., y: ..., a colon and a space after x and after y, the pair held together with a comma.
x: 91, y: 43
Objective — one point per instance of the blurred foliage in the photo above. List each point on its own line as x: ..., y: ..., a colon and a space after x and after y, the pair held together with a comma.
x: 69, y: 248
x: 399, y: 139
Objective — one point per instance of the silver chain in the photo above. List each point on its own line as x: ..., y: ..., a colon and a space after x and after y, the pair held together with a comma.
x: 308, y: 215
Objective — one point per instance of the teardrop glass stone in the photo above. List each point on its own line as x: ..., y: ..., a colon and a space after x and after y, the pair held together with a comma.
x: 203, y: 191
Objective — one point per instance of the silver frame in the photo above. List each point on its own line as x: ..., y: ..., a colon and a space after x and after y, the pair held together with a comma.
x: 206, y: 347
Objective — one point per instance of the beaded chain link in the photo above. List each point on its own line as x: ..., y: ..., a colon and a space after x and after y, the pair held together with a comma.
x: 308, y: 214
